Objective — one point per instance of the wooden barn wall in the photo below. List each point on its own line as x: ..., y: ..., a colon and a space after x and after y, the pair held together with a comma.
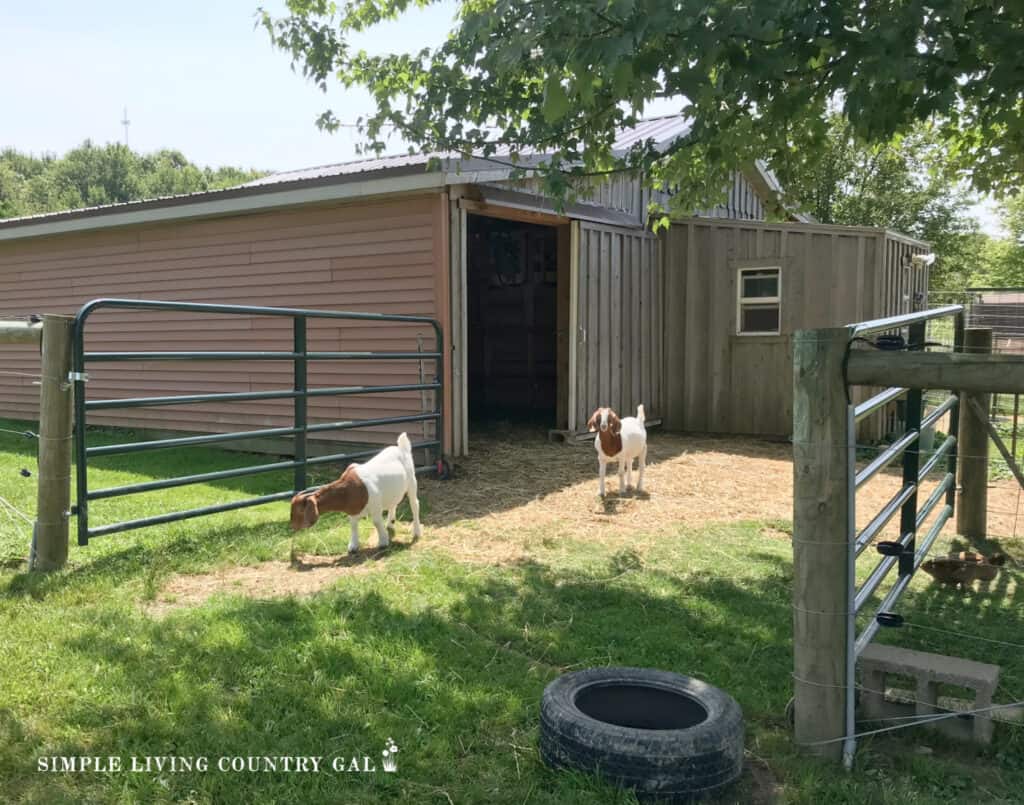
x: 620, y: 330
x: 385, y: 257
x: 904, y: 287
x: 722, y: 382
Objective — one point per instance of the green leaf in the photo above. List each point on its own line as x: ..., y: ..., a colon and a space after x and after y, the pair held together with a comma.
x: 556, y: 101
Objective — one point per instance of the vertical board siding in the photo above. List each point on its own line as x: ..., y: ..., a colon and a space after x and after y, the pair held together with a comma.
x: 382, y: 257
x: 619, y: 354
x: 722, y: 382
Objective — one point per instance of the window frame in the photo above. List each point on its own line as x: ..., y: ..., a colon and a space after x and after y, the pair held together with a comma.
x: 742, y: 300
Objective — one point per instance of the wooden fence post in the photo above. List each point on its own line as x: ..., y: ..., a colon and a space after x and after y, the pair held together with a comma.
x: 972, y: 446
x: 821, y: 530
x: 50, y: 541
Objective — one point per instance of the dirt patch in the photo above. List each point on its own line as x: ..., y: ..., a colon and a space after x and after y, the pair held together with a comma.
x: 306, y: 575
x: 516, y: 492
x: 513, y: 488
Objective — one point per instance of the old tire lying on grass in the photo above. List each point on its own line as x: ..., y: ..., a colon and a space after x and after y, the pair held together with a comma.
x: 661, y: 734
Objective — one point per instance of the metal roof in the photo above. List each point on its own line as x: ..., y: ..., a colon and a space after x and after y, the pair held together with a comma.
x: 386, y: 174
x: 662, y: 130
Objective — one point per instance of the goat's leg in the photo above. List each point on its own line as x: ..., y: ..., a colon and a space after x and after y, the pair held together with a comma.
x: 602, y: 464
x: 383, y: 540
x: 629, y: 473
x: 390, y: 523
x: 642, y: 462
x: 622, y: 476
x: 353, y: 543
x: 414, y: 504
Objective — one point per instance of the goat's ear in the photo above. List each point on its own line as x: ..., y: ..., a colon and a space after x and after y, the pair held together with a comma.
x: 310, y: 513
x: 615, y: 422
x: 592, y: 422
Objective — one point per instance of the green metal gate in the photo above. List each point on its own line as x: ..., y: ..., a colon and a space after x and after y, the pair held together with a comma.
x: 300, y: 393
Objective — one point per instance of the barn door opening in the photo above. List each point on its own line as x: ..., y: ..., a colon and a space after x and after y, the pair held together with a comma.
x: 512, y: 281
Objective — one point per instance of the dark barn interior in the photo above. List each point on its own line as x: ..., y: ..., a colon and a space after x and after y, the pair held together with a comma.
x: 512, y: 278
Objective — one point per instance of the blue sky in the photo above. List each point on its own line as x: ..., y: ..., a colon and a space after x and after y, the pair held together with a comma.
x: 195, y: 75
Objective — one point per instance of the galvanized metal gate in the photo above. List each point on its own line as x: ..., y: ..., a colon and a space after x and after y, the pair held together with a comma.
x: 299, y: 357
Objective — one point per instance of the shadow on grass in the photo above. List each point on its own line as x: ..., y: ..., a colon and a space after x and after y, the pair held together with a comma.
x: 457, y: 686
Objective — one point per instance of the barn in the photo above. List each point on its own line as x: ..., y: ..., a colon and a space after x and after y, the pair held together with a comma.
x: 545, y: 315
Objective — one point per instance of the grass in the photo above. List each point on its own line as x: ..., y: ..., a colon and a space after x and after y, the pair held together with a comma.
x: 449, y: 658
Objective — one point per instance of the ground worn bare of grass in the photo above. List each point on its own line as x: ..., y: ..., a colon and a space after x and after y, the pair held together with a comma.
x: 517, y: 490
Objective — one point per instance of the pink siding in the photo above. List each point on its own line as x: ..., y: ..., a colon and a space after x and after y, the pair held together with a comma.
x: 384, y: 257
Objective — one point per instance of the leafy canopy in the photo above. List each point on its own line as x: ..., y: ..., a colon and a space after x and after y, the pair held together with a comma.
x: 906, y: 184
x: 757, y: 78
x: 91, y: 175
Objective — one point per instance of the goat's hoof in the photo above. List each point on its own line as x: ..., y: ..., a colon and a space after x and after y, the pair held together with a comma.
x: 353, y: 551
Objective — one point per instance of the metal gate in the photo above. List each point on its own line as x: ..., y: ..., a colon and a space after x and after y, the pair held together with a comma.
x: 299, y: 357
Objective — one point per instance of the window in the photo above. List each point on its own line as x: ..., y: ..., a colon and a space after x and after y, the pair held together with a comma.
x: 758, y: 301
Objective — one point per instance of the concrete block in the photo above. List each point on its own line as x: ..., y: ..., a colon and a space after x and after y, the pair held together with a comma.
x: 930, y: 671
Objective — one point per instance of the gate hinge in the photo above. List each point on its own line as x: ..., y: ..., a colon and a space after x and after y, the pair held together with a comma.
x: 76, y: 376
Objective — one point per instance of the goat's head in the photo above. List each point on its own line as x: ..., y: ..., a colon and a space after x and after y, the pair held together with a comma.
x: 305, y: 511
x: 604, y: 420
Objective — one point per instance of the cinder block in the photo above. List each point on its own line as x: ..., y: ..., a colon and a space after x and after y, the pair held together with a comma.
x: 930, y: 670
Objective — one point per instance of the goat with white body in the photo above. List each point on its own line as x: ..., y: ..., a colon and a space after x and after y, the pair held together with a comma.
x: 372, y: 488
x: 620, y: 440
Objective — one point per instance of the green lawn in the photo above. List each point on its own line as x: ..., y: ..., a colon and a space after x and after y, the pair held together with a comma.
x: 448, y: 658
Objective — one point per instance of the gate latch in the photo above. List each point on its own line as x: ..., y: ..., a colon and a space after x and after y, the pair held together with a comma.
x: 76, y: 376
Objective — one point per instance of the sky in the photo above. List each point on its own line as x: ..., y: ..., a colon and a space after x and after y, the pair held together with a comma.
x: 195, y: 75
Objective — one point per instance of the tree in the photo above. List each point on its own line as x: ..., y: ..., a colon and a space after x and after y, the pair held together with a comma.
x: 906, y: 184
x: 91, y: 175
x: 757, y: 78
x: 1003, y: 263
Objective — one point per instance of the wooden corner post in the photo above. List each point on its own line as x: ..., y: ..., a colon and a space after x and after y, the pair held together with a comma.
x: 972, y: 446
x: 50, y: 541
x: 822, y: 482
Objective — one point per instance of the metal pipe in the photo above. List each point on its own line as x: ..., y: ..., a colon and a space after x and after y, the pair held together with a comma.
x: 186, y: 441
x: 897, y: 589
x: 879, y: 521
x: 893, y: 322
x: 937, y: 456
x: 300, y: 385
x: 363, y: 453
x: 216, y: 438
x: 933, y: 499
x: 185, y: 480
x: 850, y: 744
x: 258, y: 356
x: 245, y: 310
x: 874, y: 403
x: 143, y: 402
x: 883, y: 459
x: 81, y: 465
x: 350, y: 424
x: 173, y: 517
x: 937, y: 414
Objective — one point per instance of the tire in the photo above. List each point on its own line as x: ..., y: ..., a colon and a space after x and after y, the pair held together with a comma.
x: 661, y: 734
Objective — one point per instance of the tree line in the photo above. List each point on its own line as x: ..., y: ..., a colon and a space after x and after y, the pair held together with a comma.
x: 92, y: 175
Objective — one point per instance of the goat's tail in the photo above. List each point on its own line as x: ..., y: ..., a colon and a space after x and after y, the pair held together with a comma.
x: 640, y: 413
x: 404, y: 444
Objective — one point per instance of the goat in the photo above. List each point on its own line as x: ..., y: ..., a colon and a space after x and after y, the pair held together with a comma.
x: 371, y: 488
x: 620, y: 440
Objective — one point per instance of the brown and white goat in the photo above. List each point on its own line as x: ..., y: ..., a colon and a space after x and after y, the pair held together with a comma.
x: 371, y: 488
x: 620, y: 440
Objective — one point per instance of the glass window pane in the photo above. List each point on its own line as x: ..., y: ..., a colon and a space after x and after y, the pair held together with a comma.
x: 760, y: 284
x: 759, y: 319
